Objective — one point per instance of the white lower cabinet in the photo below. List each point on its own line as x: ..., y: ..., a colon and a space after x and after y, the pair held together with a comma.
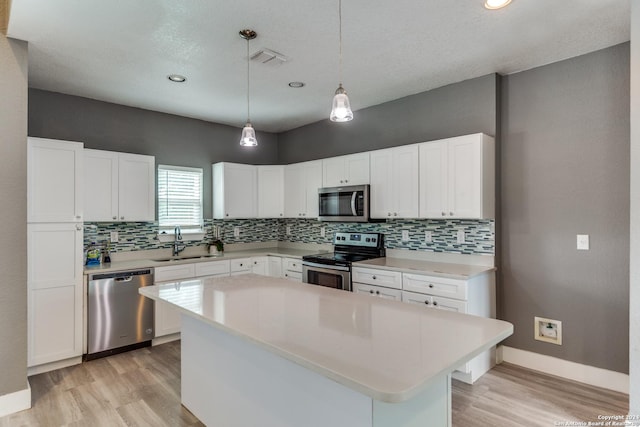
x: 377, y: 291
x: 275, y: 266
x: 292, y: 269
x: 260, y: 265
x: 240, y: 266
x: 54, y: 298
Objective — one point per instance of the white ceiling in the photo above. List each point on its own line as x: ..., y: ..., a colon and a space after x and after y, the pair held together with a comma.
x: 121, y: 50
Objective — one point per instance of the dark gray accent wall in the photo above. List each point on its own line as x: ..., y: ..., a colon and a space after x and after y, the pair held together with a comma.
x: 565, y: 171
x: 13, y: 193
x: 173, y: 140
x: 453, y: 110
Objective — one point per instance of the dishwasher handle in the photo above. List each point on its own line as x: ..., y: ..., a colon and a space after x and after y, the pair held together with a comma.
x: 119, y: 275
x: 124, y: 279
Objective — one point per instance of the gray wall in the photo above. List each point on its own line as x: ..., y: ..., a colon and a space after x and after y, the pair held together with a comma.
x: 173, y: 140
x: 565, y: 171
x: 13, y: 193
x: 457, y: 109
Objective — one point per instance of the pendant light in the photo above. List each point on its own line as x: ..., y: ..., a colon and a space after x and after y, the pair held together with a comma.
x: 248, y: 138
x: 341, y: 109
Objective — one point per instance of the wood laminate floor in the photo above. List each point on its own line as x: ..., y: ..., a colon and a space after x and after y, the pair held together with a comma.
x: 142, y: 388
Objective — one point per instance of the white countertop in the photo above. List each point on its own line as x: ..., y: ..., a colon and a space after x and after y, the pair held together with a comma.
x: 387, y: 350
x: 150, y: 263
x: 442, y: 269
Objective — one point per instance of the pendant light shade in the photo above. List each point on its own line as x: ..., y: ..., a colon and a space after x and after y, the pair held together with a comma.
x: 341, y: 108
x: 248, y: 138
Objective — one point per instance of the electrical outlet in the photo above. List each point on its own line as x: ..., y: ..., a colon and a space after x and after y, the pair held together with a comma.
x: 113, y: 236
x: 405, y: 235
x: 322, y: 233
x: 236, y: 231
x: 428, y: 236
x: 547, y: 330
x: 460, y: 236
x: 288, y: 230
x: 582, y: 242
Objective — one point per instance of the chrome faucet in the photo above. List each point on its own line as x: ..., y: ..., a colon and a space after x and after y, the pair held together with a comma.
x: 177, y: 248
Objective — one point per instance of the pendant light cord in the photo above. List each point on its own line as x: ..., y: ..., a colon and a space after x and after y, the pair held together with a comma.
x: 248, y: 87
x: 340, y: 36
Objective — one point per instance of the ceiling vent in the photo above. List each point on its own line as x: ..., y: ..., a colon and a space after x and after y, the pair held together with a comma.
x: 271, y: 57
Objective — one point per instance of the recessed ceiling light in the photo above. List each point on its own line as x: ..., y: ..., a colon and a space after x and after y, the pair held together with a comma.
x: 496, y: 4
x: 296, y: 85
x: 177, y: 78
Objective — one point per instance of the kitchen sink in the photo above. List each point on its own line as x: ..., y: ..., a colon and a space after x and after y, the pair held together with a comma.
x: 181, y: 258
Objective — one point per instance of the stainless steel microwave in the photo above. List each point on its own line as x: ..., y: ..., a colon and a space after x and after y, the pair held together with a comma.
x: 344, y: 204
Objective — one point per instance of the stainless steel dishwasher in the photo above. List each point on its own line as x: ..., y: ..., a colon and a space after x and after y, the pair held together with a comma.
x: 118, y: 317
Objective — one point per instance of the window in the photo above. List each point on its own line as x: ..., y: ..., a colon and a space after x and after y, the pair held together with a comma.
x: 179, y: 197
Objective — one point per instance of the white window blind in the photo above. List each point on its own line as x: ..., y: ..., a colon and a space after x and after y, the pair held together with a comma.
x: 179, y: 196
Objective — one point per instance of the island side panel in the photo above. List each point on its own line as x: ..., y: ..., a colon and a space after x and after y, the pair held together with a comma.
x: 227, y: 381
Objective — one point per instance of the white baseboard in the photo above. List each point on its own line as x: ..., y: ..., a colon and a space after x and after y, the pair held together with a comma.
x: 15, y: 402
x: 591, y: 375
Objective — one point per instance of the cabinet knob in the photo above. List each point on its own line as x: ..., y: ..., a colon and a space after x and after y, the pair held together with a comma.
x: 371, y: 291
x: 435, y: 303
x: 450, y: 213
x: 431, y: 285
x: 78, y: 217
x: 374, y: 277
x: 377, y: 292
x: 227, y: 214
x: 426, y: 301
x: 395, y: 214
x: 444, y: 214
x: 293, y: 265
x: 286, y: 275
x: 341, y: 182
x: 241, y: 264
x: 121, y: 217
x: 255, y: 262
x: 304, y: 214
x: 78, y: 227
x: 115, y: 217
x: 280, y: 214
x: 389, y: 214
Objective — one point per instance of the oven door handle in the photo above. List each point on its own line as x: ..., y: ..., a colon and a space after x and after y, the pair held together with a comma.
x: 324, y: 268
x: 353, y: 203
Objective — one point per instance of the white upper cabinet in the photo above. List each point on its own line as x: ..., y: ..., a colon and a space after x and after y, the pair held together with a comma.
x: 394, y: 182
x: 352, y: 169
x: 270, y: 191
x: 457, y: 177
x: 235, y: 191
x: 301, y: 184
x: 119, y: 186
x: 54, y: 180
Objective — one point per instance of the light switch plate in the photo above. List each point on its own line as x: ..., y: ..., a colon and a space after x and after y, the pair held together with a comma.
x: 582, y: 242
x: 405, y: 235
x: 236, y: 231
x: 288, y: 230
x: 428, y: 236
x: 460, y: 236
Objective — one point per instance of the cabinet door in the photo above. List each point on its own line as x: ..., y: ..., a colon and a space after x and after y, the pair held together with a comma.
x: 136, y: 187
x: 357, y: 169
x: 374, y: 276
x: 464, y: 177
x: 275, y: 266
x: 381, y: 191
x: 377, y: 291
x: 270, y: 191
x: 54, y: 180
x: 54, y: 278
x: 295, y: 198
x: 333, y: 173
x: 433, y: 180
x: 405, y: 181
x: 312, y: 182
x: 235, y: 191
x: 100, y: 185
x: 260, y: 265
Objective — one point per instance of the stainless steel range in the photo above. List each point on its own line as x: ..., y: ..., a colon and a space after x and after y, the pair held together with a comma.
x: 333, y: 270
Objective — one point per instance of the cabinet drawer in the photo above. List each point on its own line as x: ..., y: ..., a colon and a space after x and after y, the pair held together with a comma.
x: 241, y: 265
x: 434, y: 301
x: 372, y: 276
x: 377, y: 291
x: 439, y: 286
x: 174, y: 272
x: 292, y: 264
x: 212, y: 268
x: 293, y: 275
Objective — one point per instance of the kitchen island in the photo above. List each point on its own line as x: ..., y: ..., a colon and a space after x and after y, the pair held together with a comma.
x: 266, y: 351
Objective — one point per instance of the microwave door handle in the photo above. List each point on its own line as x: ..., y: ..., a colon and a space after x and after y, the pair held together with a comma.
x: 353, y: 203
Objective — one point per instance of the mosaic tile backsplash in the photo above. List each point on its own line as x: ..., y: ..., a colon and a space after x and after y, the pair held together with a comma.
x: 479, y: 234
